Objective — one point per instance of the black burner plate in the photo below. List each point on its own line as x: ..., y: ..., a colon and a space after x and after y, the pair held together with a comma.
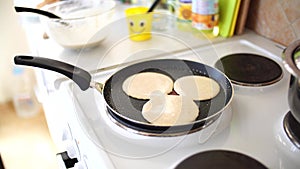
x: 250, y: 69
x: 220, y: 159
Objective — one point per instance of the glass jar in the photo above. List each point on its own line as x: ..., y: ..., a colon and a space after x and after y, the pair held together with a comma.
x: 205, y: 16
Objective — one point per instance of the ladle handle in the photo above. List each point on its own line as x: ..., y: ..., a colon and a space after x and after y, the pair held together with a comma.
x: 37, y: 11
x: 155, y: 3
x: 81, y: 77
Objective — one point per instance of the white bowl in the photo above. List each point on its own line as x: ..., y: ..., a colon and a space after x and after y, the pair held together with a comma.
x: 81, y: 24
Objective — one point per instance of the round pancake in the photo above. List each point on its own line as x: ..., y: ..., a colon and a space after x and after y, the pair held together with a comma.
x: 141, y: 85
x: 197, y: 87
x: 168, y: 110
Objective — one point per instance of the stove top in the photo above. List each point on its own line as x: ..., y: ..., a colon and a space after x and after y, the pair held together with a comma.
x: 251, y: 126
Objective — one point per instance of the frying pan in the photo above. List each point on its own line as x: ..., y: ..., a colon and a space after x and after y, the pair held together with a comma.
x: 125, y: 110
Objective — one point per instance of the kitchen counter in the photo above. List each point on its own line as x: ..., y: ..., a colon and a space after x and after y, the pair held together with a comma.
x: 117, y: 48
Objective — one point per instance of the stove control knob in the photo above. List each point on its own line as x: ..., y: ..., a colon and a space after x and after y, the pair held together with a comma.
x: 72, y: 149
x: 64, y: 161
x: 80, y: 165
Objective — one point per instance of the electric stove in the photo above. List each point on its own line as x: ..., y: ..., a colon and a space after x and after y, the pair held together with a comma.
x: 249, y: 131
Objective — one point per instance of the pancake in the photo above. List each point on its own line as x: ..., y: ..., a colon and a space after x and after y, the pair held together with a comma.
x: 197, y: 87
x: 168, y: 110
x: 141, y: 85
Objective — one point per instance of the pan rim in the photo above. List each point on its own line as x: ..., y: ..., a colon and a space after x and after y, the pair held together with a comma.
x: 161, y: 133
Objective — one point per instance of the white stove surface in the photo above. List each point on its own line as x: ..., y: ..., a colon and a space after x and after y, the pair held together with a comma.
x: 251, y: 125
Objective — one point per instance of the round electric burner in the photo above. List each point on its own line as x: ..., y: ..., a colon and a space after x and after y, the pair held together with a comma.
x: 292, y: 129
x: 220, y: 159
x: 250, y: 69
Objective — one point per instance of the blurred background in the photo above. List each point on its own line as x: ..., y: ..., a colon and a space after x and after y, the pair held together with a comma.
x: 24, y: 138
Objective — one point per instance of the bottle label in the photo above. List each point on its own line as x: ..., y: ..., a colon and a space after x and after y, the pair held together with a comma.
x: 205, y: 14
x: 184, y: 12
x: 204, y: 22
x: 205, y: 7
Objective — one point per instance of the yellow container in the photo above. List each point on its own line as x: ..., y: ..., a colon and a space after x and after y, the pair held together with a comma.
x: 139, y: 23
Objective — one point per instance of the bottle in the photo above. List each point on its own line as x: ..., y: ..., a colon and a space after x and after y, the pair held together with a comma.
x: 184, y: 14
x: 24, y: 99
x: 205, y: 16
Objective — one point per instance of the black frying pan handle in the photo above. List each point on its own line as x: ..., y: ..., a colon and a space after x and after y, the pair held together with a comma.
x: 81, y: 77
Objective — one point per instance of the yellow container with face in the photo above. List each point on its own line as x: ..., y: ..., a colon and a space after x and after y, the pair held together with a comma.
x: 139, y: 23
